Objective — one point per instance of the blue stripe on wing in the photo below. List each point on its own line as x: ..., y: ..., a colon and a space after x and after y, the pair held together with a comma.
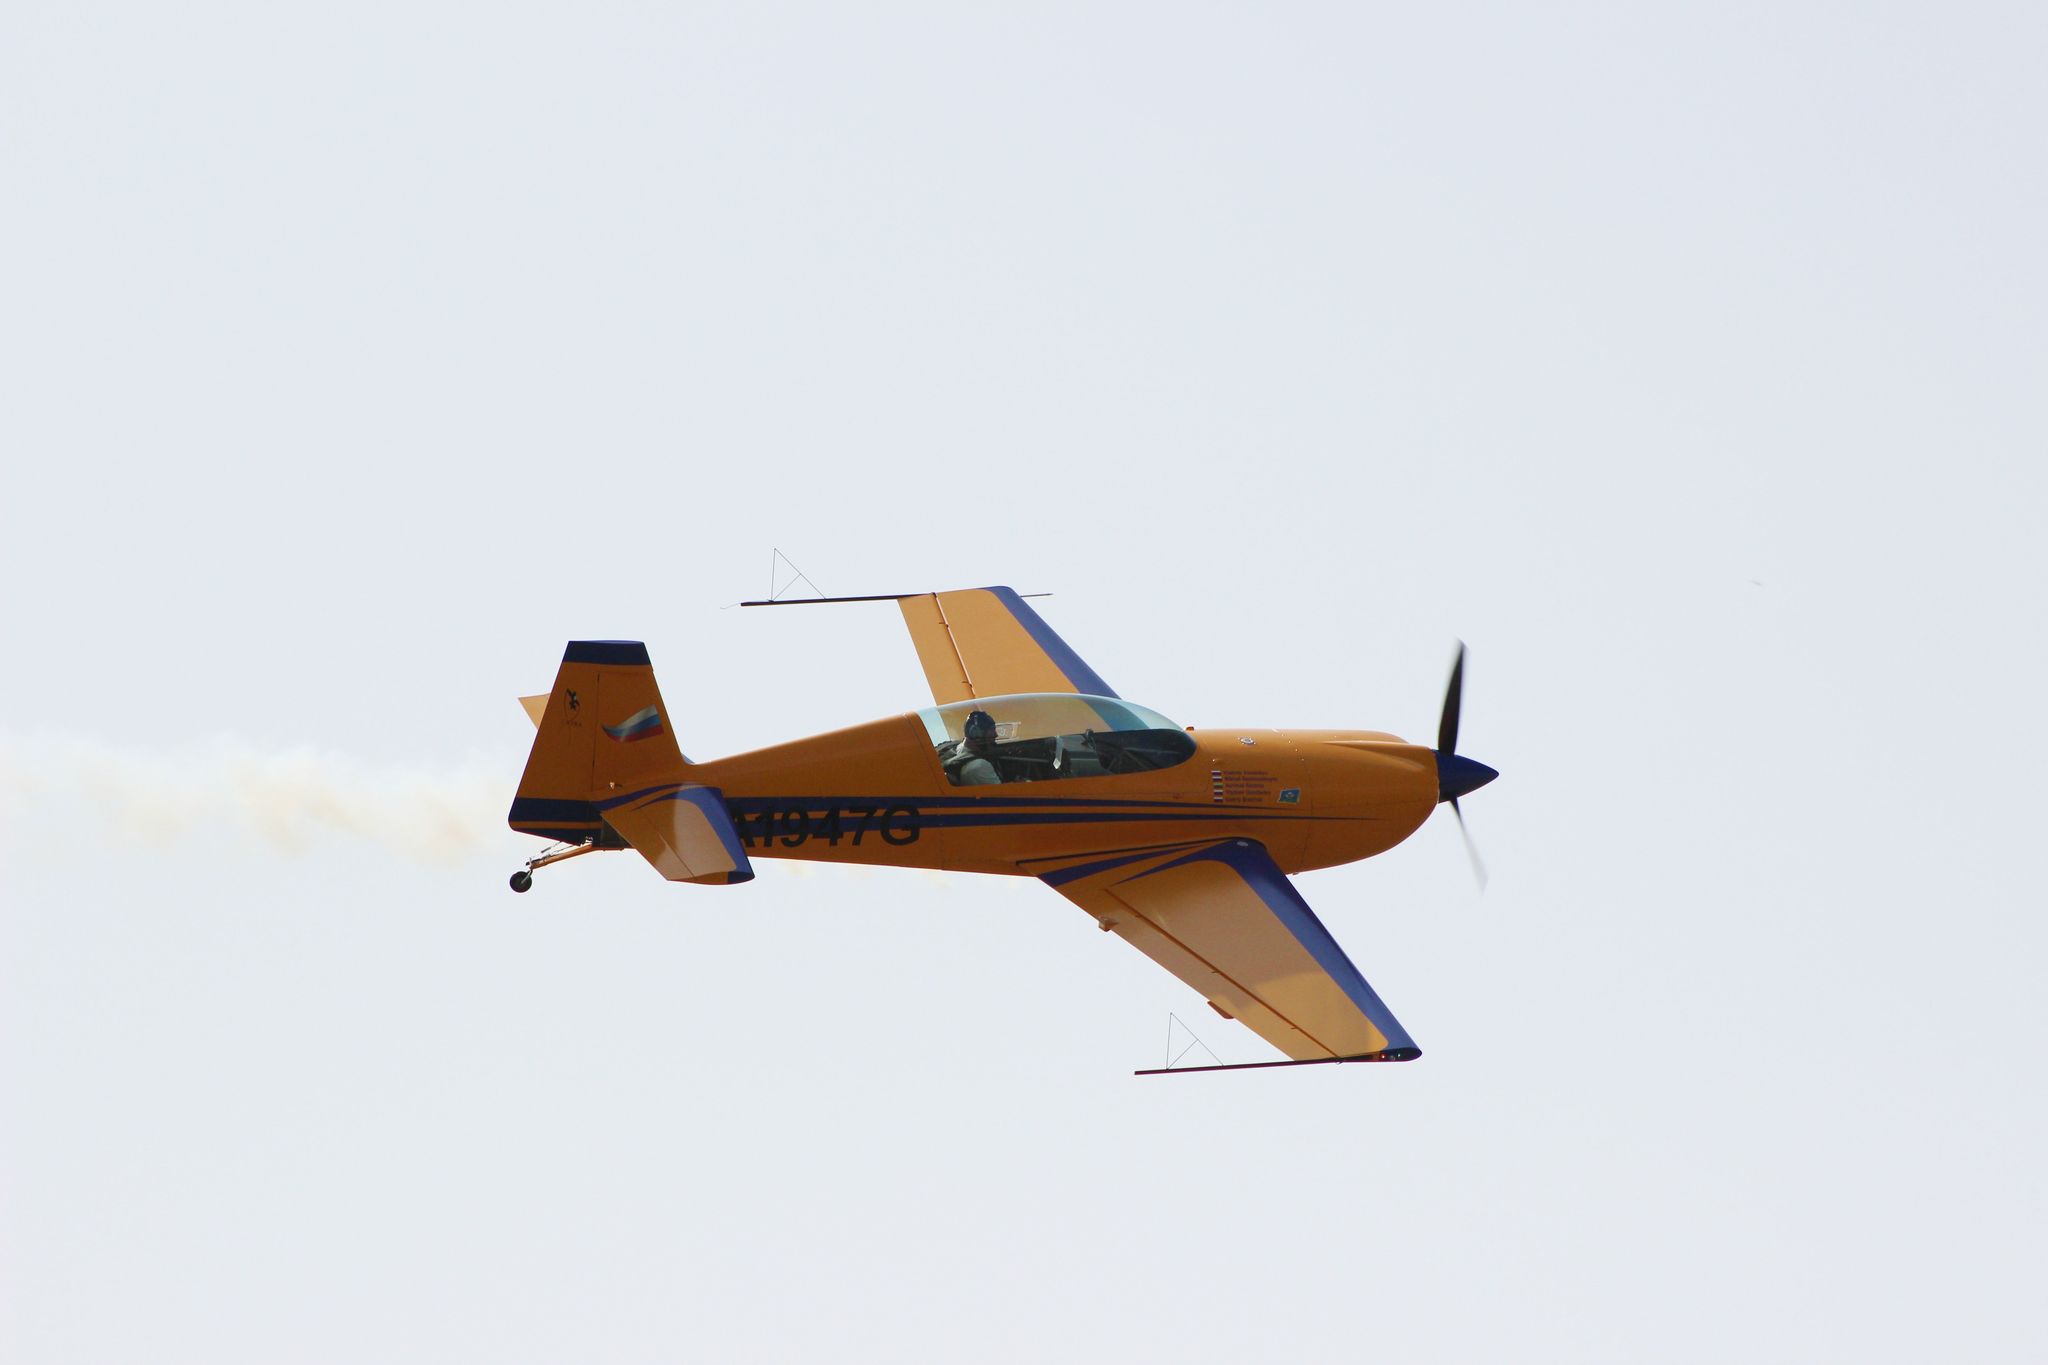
x: 711, y: 802
x: 1085, y: 679
x: 1256, y: 866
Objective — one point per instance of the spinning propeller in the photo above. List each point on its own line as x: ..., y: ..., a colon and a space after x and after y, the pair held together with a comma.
x: 1457, y: 775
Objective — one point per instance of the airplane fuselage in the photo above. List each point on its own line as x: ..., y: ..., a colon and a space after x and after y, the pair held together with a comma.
x: 877, y: 793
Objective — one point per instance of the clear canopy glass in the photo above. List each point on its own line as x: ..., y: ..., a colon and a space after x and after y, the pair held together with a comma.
x: 1049, y: 736
x: 1036, y: 715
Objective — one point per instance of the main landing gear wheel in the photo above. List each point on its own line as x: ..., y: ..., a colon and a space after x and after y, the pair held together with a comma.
x: 522, y: 880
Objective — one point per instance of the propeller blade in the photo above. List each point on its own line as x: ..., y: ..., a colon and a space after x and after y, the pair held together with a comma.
x: 1454, y: 696
x: 1471, y: 849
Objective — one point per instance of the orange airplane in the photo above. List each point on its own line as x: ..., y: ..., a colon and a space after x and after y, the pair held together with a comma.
x: 1179, y: 841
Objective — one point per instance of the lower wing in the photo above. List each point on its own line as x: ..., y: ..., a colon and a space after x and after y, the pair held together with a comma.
x: 1224, y: 918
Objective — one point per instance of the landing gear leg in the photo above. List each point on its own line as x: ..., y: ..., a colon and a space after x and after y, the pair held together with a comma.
x: 522, y: 880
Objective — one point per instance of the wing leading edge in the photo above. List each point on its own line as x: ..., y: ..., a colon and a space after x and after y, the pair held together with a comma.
x: 1225, y: 919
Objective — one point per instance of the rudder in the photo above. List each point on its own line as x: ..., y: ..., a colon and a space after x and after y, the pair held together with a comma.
x: 603, y: 733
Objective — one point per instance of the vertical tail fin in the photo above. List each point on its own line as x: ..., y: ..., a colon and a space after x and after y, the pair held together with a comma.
x: 603, y: 734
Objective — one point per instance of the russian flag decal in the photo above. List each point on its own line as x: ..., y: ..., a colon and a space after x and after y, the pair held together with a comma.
x: 642, y: 724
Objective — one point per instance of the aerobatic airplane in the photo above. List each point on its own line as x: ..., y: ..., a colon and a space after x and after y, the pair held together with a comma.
x: 1179, y: 841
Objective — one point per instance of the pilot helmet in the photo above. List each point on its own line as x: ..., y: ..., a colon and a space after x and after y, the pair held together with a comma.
x: 981, y: 727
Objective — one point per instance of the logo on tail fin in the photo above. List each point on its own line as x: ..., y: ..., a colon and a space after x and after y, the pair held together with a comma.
x: 642, y: 724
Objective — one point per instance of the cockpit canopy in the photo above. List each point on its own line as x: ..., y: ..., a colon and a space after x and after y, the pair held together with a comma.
x: 1046, y: 736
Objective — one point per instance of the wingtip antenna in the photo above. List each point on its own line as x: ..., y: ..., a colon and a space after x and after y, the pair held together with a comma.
x: 1174, y: 1024
x: 778, y: 585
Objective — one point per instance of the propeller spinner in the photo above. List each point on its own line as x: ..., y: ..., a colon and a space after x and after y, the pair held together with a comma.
x: 1457, y: 775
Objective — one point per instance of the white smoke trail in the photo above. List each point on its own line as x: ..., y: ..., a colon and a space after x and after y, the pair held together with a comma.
x: 291, y: 800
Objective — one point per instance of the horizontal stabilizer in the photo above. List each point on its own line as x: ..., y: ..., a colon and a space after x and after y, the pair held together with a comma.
x: 686, y: 835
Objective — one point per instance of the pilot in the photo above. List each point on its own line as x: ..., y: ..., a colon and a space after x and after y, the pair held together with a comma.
x: 973, y: 763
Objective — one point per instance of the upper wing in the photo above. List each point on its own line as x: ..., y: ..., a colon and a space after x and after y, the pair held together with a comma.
x: 1224, y: 918
x: 984, y: 642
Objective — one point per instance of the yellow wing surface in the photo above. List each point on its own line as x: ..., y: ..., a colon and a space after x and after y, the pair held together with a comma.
x: 1223, y: 918
x: 988, y: 642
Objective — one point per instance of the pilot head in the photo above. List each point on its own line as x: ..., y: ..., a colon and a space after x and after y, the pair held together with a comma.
x: 981, y: 730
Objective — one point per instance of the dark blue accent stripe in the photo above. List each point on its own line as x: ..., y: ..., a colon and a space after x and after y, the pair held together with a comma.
x: 1111, y: 854
x: 969, y: 819
x: 1084, y: 678
x: 751, y: 803
x: 711, y: 802
x: 614, y: 802
x: 605, y: 652
x: 1251, y: 862
x: 532, y: 808
x: 999, y: 820
x: 954, y: 812
x: 1153, y: 809
x: 900, y: 799
x: 1074, y: 874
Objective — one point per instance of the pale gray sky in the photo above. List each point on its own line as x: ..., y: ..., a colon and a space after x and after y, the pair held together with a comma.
x: 1686, y: 364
